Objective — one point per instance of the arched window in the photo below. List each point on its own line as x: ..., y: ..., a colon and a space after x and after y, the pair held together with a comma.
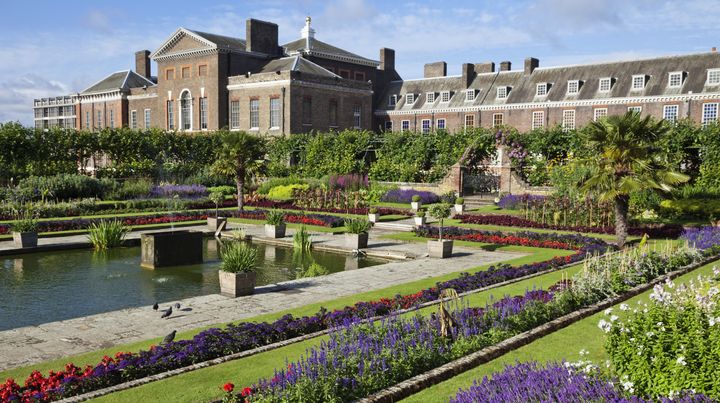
x: 185, y: 111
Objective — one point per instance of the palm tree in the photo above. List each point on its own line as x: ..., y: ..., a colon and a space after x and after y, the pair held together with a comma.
x: 240, y: 157
x: 623, y: 158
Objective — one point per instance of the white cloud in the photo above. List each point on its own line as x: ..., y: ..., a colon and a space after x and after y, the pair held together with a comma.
x: 17, y: 95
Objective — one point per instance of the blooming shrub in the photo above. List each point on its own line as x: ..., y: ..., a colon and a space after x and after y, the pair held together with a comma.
x: 516, y: 201
x: 665, y: 231
x: 181, y: 191
x: 521, y: 238
x: 702, y: 238
x: 671, y: 344
x: 530, y: 382
x: 285, y: 192
x: 405, y: 196
x: 352, y: 182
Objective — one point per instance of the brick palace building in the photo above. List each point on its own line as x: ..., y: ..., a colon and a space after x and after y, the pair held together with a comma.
x: 206, y: 82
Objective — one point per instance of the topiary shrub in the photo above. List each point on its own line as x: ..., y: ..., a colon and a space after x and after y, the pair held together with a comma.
x: 285, y: 192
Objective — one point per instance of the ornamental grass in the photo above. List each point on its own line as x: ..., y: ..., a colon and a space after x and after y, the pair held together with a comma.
x: 107, y: 234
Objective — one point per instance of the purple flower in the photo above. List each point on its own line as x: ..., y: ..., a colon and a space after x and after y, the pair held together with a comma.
x: 405, y: 196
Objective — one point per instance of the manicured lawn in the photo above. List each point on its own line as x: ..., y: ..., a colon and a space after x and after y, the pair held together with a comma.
x: 564, y: 344
x: 534, y: 255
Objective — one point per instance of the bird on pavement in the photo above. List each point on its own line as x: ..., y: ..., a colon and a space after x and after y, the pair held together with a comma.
x: 169, y: 338
x: 177, y: 305
x: 155, y: 306
x: 167, y: 313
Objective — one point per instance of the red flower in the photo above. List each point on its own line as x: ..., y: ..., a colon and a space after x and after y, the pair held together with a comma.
x: 229, y: 387
x: 246, y: 392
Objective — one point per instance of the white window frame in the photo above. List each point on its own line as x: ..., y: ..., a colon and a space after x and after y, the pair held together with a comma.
x: 502, y: 92
x: 706, y: 118
x: 405, y: 125
x: 392, y: 100
x: 599, y: 113
x: 465, y: 120
x: 713, y: 77
x: 635, y: 80
x: 274, y: 114
x: 254, y: 114
x: 440, y: 124
x: 495, y: 119
x: 357, y: 116
x: 671, y: 117
x: 203, y: 115
x: 185, y: 113
x: 603, y: 82
x: 568, y: 119
x: 133, y: 119
x: 430, y: 97
x: 425, y: 126
x: 637, y: 109
x: 469, y: 95
x: 676, y: 75
x: 445, y: 96
x: 538, y: 120
x: 541, y: 89
x: 575, y: 85
x: 148, y: 115
x: 410, y: 99
x: 111, y: 121
x: 234, y: 115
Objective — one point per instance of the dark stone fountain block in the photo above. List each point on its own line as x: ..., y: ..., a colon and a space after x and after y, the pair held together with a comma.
x: 171, y: 248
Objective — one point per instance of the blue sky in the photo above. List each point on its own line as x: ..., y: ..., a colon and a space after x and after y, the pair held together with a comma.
x: 56, y: 47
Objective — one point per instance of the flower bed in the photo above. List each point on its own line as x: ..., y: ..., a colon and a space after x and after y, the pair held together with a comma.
x: 566, y: 382
x: 181, y: 191
x: 213, y: 343
x: 521, y: 238
x: 702, y: 238
x: 405, y: 196
x: 664, y: 231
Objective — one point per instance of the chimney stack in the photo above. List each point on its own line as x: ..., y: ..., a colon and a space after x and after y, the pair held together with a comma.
x: 142, y: 63
x: 261, y: 37
x: 531, y: 64
x: 437, y: 69
x: 487, y: 67
x: 468, y: 74
x: 387, y: 59
x: 713, y: 49
x: 505, y: 66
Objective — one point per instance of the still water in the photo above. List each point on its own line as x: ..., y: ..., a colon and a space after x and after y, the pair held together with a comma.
x: 45, y: 287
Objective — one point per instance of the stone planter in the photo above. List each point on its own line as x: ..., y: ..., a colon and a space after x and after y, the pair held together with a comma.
x: 25, y: 239
x: 416, y: 205
x: 420, y: 221
x: 170, y: 248
x: 275, y: 231
x: 459, y: 208
x: 215, y: 223
x: 356, y: 241
x: 440, y: 249
x: 234, y: 285
x: 373, y: 218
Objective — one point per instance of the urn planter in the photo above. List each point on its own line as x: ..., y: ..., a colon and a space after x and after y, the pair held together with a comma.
x: 373, y: 218
x: 356, y: 241
x: 420, y: 221
x: 440, y: 249
x: 214, y: 223
x: 235, y: 285
x: 275, y: 231
x: 459, y: 208
x: 25, y: 239
x: 416, y: 205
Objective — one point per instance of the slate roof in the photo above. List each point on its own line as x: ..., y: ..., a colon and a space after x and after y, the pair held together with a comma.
x: 295, y: 63
x: 523, y: 86
x: 121, y: 80
x: 222, y: 42
x: 320, y: 49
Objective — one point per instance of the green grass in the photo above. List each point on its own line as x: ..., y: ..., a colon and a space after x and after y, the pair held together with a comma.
x: 203, y: 385
x: 563, y: 344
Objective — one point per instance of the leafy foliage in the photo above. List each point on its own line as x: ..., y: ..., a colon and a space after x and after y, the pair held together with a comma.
x: 238, y: 257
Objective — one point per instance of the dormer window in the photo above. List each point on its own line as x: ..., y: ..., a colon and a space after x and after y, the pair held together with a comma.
x: 502, y: 92
x: 713, y: 77
x: 392, y: 100
x: 469, y: 95
x: 675, y: 79
x: 409, y: 99
x: 573, y: 86
x: 429, y: 97
x: 445, y: 96
x: 605, y: 84
x: 638, y: 81
x: 541, y: 89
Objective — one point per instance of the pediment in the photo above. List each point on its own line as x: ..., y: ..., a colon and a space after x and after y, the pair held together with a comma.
x: 182, y: 41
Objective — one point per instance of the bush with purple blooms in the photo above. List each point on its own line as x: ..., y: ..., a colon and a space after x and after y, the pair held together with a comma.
x: 531, y: 382
x: 515, y: 201
x: 181, y: 191
x: 350, y: 182
x: 703, y: 237
x: 405, y: 196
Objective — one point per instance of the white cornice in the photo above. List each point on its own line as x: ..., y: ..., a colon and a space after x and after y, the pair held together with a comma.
x: 554, y: 104
x: 141, y: 96
x: 332, y: 56
x: 330, y: 87
x: 259, y: 84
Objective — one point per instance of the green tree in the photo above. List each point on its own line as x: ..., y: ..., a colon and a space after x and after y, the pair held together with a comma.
x: 240, y: 157
x: 624, y: 158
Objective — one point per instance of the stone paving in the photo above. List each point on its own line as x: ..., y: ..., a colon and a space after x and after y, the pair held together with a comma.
x: 32, y: 344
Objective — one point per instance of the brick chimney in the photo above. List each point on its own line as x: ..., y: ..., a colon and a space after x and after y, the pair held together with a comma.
x: 531, y: 64
x: 261, y: 37
x: 487, y: 67
x: 437, y: 69
x: 142, y: 63
x: 505, y: 66
x: 468, y: 74
x: 387, y: 59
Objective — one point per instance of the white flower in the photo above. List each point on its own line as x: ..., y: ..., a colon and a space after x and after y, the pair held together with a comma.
x: 614, y: 318
x: 712, y: 321
x: 608, y: 311
x: 624, y: 307
x: 604, y: 325
x: 649, y: 334
x: 584, y: 352
x: 681, y: 361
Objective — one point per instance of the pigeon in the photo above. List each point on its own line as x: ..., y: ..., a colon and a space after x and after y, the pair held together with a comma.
x: 169, y: 338
x: 167, y: 313
x: 177, y: 305
x: 155, y: 306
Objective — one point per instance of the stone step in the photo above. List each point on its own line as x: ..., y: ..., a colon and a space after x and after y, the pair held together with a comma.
x: 394, y: 226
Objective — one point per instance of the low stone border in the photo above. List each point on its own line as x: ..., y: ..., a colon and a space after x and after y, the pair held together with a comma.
x: 284, y: 343
x: 417, y: 383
